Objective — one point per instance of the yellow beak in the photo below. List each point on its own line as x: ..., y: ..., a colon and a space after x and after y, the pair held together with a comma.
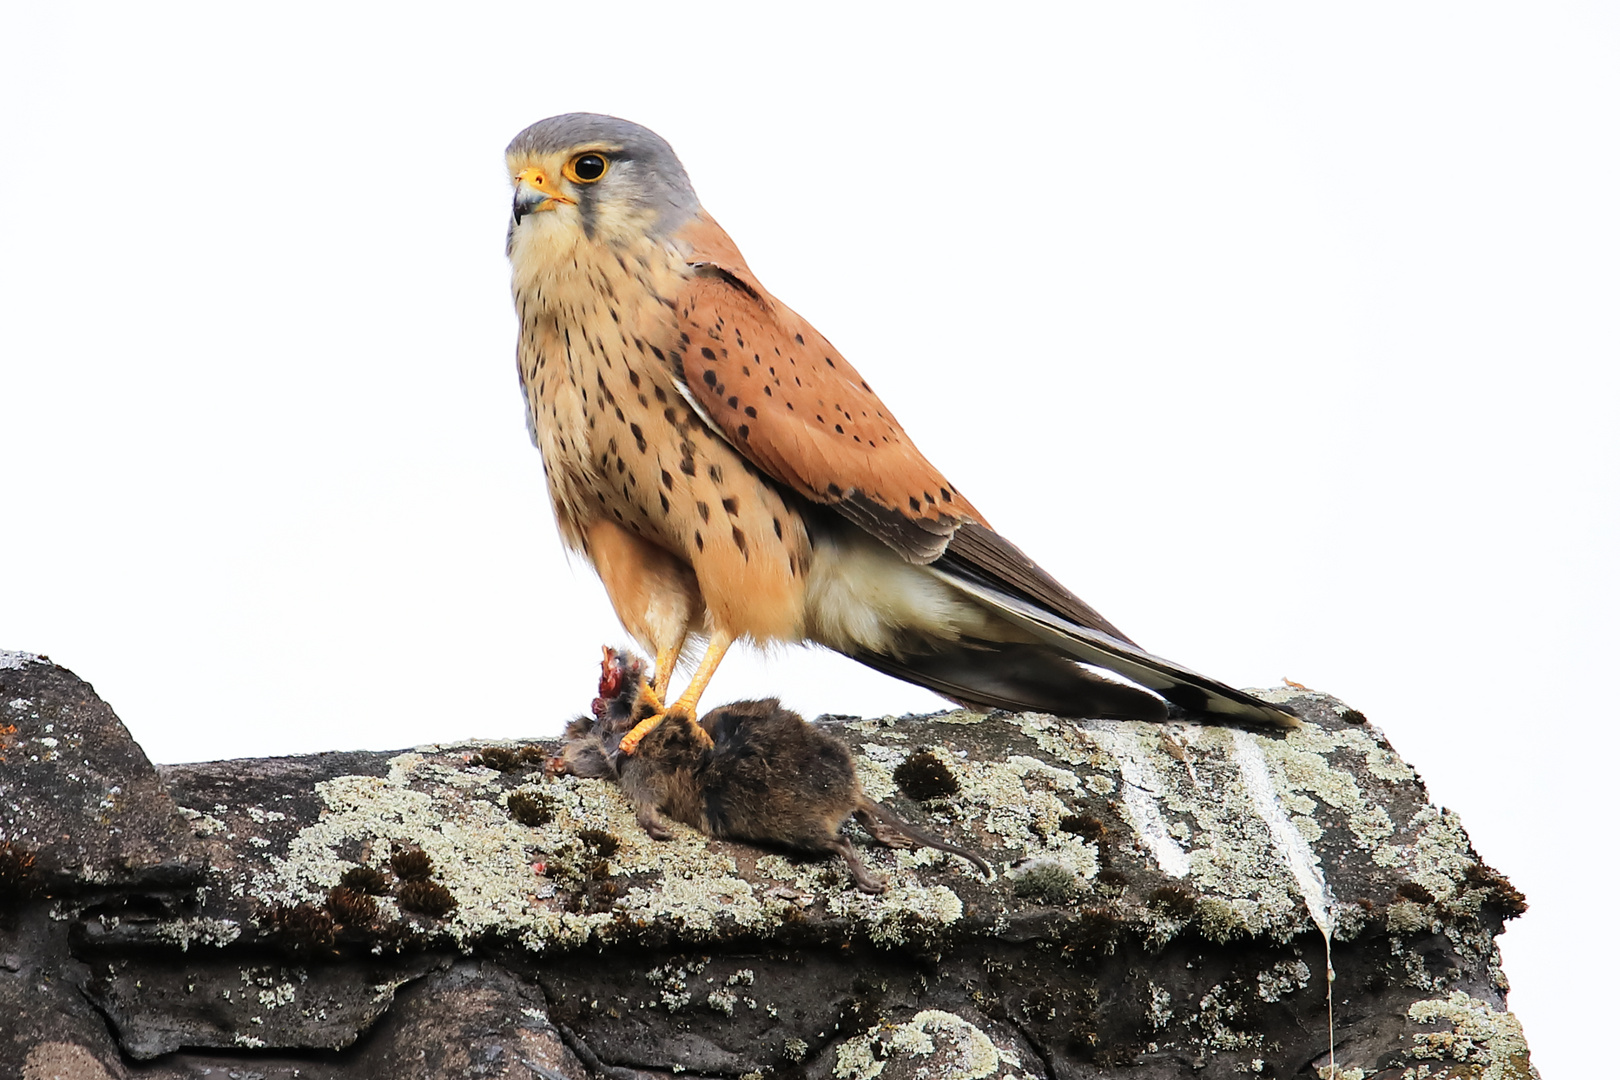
x: 535, y: 193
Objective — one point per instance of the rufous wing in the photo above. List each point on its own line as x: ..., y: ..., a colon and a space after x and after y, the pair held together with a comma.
x: 793, y: 406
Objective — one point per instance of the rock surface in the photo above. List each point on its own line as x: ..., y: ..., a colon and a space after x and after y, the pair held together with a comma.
x: 1161, y: 908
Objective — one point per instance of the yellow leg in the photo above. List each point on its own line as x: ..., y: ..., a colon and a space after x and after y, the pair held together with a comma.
x: 687, y: 703
x: 718, y: 644
x: 664, y: 670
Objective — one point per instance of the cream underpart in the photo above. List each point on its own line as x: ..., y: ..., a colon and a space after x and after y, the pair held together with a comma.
x: 859, y: 596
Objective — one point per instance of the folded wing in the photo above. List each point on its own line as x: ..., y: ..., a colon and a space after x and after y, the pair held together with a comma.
x: 769, y: 384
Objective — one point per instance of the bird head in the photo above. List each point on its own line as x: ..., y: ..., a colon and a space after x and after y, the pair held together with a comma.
x: 599, y: 177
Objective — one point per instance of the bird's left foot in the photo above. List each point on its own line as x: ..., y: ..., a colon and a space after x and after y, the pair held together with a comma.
x: 648, y: 704
x: 633, y: 737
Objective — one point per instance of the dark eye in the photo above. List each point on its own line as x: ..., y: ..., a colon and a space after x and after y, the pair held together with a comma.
x: 586, y: 168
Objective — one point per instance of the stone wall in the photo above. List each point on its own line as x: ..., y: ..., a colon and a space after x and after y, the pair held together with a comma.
x: 1161, y: 907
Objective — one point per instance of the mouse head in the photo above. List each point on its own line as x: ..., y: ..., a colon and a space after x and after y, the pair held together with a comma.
x: 618, y: 690
x: 591, y: 743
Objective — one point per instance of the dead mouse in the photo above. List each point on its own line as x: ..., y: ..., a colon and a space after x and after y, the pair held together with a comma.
x: 591, y: 743
x: 750, y: 771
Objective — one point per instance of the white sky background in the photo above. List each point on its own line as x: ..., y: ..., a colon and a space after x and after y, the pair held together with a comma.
x: 1286, y: 337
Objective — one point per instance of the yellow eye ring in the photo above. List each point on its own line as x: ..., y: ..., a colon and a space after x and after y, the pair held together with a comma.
x: 586, y: 168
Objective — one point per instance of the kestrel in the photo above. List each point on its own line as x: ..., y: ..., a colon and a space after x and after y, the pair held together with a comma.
x: 731, y: 476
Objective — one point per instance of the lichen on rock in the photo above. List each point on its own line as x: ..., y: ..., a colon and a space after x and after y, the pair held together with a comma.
x: 1154, y: 911
x: 1490, y: 1043
x: 934, y: 1044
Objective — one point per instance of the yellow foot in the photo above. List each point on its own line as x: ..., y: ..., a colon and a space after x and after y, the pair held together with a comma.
x: 648, y: 704
x: 633, y: 737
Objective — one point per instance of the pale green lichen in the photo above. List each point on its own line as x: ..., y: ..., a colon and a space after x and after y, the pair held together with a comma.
x: 1438, y: 855
x: 1370, y: 823
x: 1160, y: 1011
x: 1062, y: 739
x: 1217, y: 1011
x: 876, y: 780
x: 479, y: 853
x: 1490, y: 1043
x: 1014, y: 799
x: 1306, y: 826
x: 1409, y: 967
x: 901, y: 915
x: 854, y: 1061
x: 1386, y: 766
x: 1188, y: 781
x: 1406, y: 917
x: 1301, y: 763
x: 670, y: 982
x: 796, y: 878
x: 699, y: 905
x: 875, y: 725
x: 200, y: 931
x: 960, y: 716
x: 927, y: 856
x: 1019, y: 800
x: 1236, y: 862
x: 887, y: 756
x: 203, y: 824
x: 1284, y: 977
x: 278, y: 996
x: 1200, y: 806
x: 956, y: 1049
x: 1195, y: 817
x: 489, y: 863
x: 1076, y: 855
x: 1349, y: 920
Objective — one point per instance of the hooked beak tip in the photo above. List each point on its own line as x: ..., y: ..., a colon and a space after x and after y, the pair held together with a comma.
x: 534, y: 193
x: 532, y: 202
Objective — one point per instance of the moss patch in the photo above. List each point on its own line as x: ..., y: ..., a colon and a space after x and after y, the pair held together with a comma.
x: 922, y: 776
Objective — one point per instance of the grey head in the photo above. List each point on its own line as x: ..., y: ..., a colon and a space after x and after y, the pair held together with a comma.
x: 643, y: 171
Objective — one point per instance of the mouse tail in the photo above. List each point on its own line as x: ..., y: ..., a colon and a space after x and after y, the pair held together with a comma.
x: 892, y: 830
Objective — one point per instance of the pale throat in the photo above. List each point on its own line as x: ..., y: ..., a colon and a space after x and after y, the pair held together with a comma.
x: 558, y: 271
